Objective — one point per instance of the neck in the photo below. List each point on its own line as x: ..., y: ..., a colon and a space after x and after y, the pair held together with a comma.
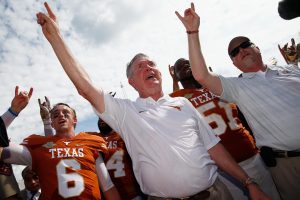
x: 154, y: 96
x: 65, y: 134
x: 255, y: 68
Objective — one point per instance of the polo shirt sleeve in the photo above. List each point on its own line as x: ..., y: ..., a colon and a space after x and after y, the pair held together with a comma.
x: 114, y: 114
x: 206, y: 134
x: 230, y: 89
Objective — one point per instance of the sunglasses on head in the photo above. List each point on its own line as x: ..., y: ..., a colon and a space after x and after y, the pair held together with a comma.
x: 236, y: 50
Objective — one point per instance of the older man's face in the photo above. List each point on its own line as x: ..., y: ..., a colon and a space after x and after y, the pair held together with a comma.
x: 144, y: 75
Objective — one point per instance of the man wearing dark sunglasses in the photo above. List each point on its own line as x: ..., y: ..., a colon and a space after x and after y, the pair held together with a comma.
x: 265, y: 96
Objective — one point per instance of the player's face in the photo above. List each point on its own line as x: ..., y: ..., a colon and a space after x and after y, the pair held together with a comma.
x: 104, y: 128
x: 63, y: 118
x: 31, y: 181
x: 183, y: 70
x: 145, y: 75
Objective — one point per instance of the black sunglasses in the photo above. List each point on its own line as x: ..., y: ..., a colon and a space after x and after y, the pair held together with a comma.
x: 236, y: 50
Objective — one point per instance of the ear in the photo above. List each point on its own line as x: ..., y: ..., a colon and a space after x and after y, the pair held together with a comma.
x: 234, y: 62
x: 75, y: 120
x: 131, y: 82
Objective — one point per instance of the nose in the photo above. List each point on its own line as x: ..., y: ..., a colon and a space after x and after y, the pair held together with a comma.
x: 146, y: 66
x: 60, y: 114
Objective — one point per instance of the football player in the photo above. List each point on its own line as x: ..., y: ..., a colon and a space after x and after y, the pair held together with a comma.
x: 226, y: 121
x: 68, y: 165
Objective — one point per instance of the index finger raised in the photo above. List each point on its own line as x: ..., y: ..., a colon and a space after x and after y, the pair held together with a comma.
x: 16, y: 90
x: 50, y: 12
x: 30, y: 92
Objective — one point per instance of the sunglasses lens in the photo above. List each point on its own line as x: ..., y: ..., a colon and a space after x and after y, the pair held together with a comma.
x: 235, y: 51
x: 243, y: 45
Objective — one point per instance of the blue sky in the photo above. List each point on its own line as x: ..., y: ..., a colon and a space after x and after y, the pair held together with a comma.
x: 104, y: 35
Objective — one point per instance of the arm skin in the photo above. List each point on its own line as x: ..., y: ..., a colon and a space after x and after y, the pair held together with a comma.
x: 73, y: 69
x: 191, y: 21
x: 110, y: 192
x: 224, y: 160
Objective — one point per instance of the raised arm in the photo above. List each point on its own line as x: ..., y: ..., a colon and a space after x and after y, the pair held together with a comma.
x: 175, y: 81
x: 191, y: 21
x: 18, y: 103
x: 45, y: 115
x: 74, y: 70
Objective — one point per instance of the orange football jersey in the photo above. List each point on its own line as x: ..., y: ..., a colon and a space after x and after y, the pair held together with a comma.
x: 66, y: 167
x: 223, y: 118
x: 119, y: 166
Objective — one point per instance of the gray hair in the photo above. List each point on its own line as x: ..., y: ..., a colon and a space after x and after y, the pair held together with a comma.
x: 128, y: 68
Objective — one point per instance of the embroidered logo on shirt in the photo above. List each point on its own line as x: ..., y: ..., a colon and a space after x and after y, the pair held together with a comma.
x: 188, y: 96
x: 67, y: 143
x: 176, y: 107
x: 143, y: 111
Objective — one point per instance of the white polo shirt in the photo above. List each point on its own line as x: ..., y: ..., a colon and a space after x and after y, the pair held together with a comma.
x: 270, y: 101
x: 167, y: 141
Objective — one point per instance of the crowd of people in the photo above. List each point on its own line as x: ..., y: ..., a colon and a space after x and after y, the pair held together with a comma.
x: 217, y: 138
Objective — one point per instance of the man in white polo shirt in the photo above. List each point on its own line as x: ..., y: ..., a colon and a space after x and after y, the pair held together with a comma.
x: 268, y: 97
x: 173, y: 150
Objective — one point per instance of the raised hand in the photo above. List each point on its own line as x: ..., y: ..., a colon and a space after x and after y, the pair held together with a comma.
x: 48, y: 23
x: 45, y: 109
x: 190, y: 20
x: 174, y: 78
x: 20, y: 100
x: 289, y: 53
x: 172, y: 73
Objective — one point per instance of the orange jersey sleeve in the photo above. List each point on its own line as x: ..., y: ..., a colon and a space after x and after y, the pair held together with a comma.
x: 66, y: 167
x: 119, y: 166
x: 223, y: 118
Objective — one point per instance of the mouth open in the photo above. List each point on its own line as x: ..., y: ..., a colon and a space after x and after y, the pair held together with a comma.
x: 61, y: 121
x: 151, y: 76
